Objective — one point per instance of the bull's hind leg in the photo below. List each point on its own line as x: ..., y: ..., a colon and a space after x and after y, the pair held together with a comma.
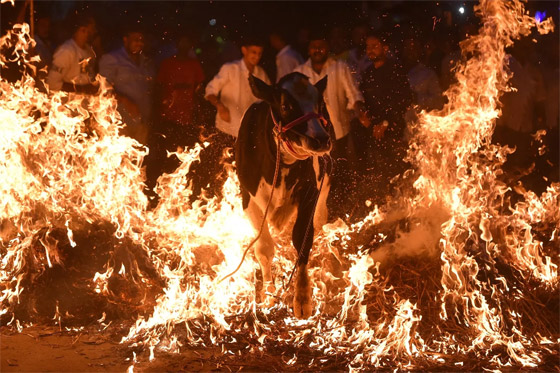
x: 302, y: 238
x: 303, y: 306
x: 264, y: 251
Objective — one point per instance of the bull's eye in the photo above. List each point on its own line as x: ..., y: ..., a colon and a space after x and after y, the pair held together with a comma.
x: 286, y: 107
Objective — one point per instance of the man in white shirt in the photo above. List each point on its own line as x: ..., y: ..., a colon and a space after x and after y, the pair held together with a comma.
x: 287, y: 58
x: 229, y: 90
x: 344, y: 101
x: 342, y: 96
x: 73, y: 63
x: 230, y: 93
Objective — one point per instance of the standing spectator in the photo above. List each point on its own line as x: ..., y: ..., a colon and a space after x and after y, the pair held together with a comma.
x: 73, y: 64
x: 229, y: 90
x: 520, y: 106
x: 178, y: 79
x: 287, y: 58
x: 301, y: 42
x: 131, y: 73
x: 343, y: 100
x: 338, y: 44
x: 452, y: 55
x: 388, y: 95
x: 43, y: 48
x: 423, y: 80
x: 342, y: 96
x: 358, y: 61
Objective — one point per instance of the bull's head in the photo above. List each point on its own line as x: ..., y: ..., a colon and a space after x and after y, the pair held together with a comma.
x: 299, y: 112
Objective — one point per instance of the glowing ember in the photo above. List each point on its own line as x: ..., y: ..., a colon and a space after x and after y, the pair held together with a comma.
x: 472, y: 260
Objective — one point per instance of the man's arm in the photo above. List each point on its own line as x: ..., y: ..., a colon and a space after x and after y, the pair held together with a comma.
x: 355, y: 97
x: 361, y: 112
x: 108, y: 68
x: 88, y: 89
x: 223, y: 111
x: 60, y: 63
x: 213, y: 90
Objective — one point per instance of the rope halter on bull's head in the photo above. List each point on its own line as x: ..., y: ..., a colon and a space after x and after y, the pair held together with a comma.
x: 269, y: 94
x: 279, y: 131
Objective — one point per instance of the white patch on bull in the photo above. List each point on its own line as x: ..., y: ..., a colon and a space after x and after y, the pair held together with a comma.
x: 321, y: 213
x: 282, y: 211
x: 264, y: 247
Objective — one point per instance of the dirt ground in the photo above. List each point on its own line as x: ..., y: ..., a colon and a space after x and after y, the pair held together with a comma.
x: 48, y: 349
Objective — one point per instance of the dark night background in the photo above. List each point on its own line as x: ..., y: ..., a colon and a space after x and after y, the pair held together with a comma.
x: 220, y: 24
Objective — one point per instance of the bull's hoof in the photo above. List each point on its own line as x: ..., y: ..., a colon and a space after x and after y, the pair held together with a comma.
x: 303, y: 307
x: 267, y: 295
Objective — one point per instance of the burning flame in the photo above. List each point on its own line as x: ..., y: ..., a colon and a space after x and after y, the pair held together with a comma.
x: 478, y: 255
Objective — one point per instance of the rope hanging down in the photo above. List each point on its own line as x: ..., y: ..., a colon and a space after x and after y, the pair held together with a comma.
x: 276, y: 170
x: 279, y: 130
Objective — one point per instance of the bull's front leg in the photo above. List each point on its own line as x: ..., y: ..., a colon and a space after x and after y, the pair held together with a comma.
x: 264, y: 251
x: 302, y: 238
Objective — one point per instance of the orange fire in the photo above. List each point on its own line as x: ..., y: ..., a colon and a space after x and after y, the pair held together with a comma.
x: 65, y: 168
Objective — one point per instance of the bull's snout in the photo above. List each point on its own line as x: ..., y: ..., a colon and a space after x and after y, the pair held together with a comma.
x: 319, y: 144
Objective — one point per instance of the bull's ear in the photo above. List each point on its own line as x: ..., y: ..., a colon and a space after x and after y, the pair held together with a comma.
x: 321, y: 85
x: 260, y: 89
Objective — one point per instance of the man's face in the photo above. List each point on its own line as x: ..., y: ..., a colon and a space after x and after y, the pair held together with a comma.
x: 43, y: 27
x: 184, y: 45
x: 134, y: 42
x: 375, y: 49
x: 91, y: 30
x: 252, y: 54
x: 86, y: 34
x: 318, y: 51
x: 411, y: 50
x: 359, y: 34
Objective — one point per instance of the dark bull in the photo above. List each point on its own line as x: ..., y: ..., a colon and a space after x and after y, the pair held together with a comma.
x: 292, y: 116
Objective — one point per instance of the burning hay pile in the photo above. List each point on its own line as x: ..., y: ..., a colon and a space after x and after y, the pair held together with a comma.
x: 458, y: 272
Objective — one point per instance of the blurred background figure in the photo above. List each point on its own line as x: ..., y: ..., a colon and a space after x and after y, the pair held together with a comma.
x: 287, y: 58
x: 302, y: 40
x: 176, y: 101
x: 178, y: 79
x: 132, y: 75
x: 344, y: 102
x: 357, y: 60
x: 73, y: 65
x: 338, y: 43
x: 41, y: 33
x: 423, y: 81
x: 229, y: 91
x: 387, y: 96
x: 43, y: 39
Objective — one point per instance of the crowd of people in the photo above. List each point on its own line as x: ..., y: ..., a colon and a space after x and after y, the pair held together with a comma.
x: 377, y: 81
